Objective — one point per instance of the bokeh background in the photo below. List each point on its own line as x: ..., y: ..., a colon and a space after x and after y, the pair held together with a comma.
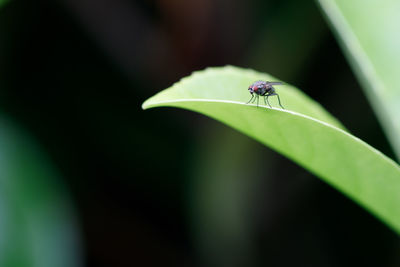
x: 119, y: 186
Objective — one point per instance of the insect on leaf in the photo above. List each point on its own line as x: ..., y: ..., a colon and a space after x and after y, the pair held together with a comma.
x: 304, y: 132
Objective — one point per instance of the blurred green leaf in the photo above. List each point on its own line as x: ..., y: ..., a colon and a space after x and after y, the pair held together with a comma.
x: 37, y: 226
x: 3, y: 2
x: 218, y: 194
x: 369, y: 34
x: 304, y: 132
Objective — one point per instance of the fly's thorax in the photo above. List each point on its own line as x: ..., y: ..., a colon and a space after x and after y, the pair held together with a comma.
x: 262, y: 90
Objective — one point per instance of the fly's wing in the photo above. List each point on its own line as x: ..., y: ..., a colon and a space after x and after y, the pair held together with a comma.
x: 275, y: 83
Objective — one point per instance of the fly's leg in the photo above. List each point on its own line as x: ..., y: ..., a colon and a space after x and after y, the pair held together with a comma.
x: 250, y: 99
x: 279, y: 100
x: 266, y: 100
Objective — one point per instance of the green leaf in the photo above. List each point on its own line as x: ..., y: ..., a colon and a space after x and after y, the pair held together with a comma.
x: 369, y: 34
x: 37, y: 221
x: 303, y: 132
x: 3, y: 2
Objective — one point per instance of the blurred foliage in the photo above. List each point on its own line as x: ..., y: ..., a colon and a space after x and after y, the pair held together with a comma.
x: 38, y: 227
x: 372, y: 47
x: 74, y: 74
x: 3, y: 2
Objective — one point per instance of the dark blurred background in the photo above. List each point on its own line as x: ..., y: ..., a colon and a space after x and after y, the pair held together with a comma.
x: 168, y: 187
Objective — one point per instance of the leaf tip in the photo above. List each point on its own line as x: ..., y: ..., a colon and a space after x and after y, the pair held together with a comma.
x: 146, y: 104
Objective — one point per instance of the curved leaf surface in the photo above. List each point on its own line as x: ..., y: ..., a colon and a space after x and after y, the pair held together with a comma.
x: 303, y: 132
